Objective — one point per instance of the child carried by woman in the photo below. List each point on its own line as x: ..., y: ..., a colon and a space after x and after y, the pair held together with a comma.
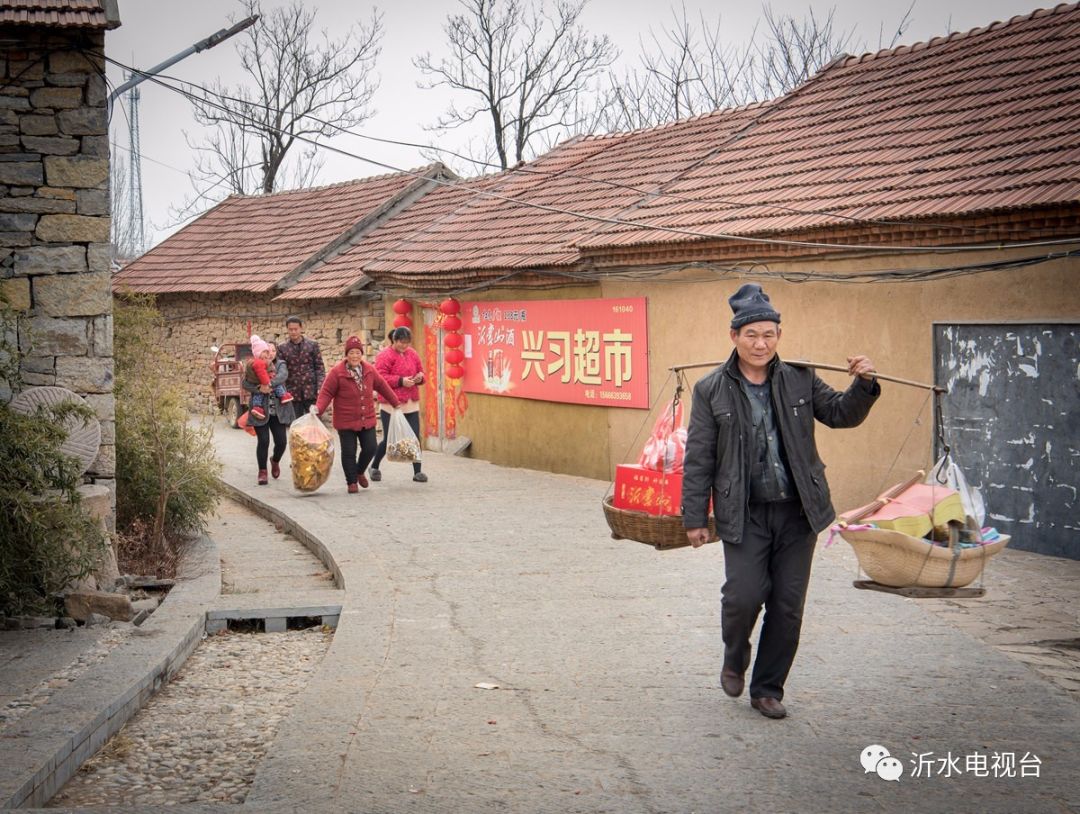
x: 256, y: 373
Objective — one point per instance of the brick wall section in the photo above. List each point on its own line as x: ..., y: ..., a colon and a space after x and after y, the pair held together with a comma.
x: 54, y: 216
x: 195, y: 322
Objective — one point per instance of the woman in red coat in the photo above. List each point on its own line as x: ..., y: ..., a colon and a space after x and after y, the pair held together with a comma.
x: 400, y: 366
x: 350, y: 385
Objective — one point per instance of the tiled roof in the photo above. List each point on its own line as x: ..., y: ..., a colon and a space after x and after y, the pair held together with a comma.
x: 250, y: 243
x: 933, y: 133
x: 529, y: 217
x: 975, y: 122
x: 346, y: 271
x: 58, y: 13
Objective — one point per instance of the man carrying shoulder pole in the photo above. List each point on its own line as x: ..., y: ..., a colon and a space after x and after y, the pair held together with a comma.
x: 750, y: 447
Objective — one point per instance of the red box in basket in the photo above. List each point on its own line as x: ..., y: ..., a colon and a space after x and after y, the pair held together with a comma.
x: 645, y: 490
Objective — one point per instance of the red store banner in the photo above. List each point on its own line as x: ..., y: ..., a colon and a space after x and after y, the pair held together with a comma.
x: 574, y: 351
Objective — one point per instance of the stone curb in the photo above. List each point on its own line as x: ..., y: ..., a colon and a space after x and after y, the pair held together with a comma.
x: 47, y: 747
x: 289, y: 526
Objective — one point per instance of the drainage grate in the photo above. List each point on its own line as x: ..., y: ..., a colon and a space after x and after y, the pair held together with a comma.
x: 272, y: 620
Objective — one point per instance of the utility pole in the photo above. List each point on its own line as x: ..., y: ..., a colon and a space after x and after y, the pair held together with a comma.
x: 129, y: 234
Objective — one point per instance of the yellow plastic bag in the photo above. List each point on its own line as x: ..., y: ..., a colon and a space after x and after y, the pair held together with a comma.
x: 311, y: 450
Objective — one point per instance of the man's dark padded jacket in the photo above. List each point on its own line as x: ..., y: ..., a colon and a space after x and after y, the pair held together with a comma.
x: 719, y: 441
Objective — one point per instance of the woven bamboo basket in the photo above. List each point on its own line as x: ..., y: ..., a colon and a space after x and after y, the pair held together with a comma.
x: 900, y: 561
x: 662, y: 531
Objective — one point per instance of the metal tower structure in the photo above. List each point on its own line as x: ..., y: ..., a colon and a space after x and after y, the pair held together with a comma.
x: 128, y: 231
x: 133, y: 231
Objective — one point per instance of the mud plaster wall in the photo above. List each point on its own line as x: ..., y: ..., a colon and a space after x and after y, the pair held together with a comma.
x: 689, y: 319
x: 892, y: 323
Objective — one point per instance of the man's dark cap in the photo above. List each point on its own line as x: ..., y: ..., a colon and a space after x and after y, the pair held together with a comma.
x: 751, y: 304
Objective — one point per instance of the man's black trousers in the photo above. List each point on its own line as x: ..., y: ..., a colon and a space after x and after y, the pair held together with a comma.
x: 770, y: 567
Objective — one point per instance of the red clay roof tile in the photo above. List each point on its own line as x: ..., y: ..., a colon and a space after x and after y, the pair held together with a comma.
x: 56, y: 13
x: 980, y: 121
x: 527, y: 217
x: 964, y: 124
x: 967, y: 123
x: 249, y: 243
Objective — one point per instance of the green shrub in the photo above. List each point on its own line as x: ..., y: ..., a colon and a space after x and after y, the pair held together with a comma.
x: 46, y: 539
x: 166, y: 469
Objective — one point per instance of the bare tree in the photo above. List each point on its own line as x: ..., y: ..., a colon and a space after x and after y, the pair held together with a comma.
x: 300, y: 86
x: 688, y: 69
x: 122, y: 239
x: 794, y: 51
x: 522, y: 67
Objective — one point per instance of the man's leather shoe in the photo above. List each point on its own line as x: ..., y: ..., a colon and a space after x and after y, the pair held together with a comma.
x: 769, y: 707
x: 732, y: 682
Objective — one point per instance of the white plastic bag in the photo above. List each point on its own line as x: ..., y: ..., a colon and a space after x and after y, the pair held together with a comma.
x: 402, y: 445
x: 953, y: 477
x: 311, y: 451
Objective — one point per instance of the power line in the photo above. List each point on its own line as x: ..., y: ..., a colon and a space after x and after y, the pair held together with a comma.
x: 891, y: 249
x: 653, y: 193
x: 658, y: 273
x: 116, y: 145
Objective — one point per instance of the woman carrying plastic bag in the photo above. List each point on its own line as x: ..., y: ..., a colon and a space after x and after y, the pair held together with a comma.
x: 350, y: 386
x: 399, y: 364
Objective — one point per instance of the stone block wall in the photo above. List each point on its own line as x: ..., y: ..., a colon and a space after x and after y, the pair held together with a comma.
x: 196, y: 322
x: 54, y: 216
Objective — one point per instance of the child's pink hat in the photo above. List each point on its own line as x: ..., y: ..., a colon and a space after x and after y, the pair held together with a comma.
x: 258, y: 345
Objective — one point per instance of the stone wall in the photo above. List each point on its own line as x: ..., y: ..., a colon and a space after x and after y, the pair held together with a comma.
x: 196, y: 322
x: 54, y: 216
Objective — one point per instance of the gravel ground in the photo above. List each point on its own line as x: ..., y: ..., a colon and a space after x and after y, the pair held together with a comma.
x: 202, y: 737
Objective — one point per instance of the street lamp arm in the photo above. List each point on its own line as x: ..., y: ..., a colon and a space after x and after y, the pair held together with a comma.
x: 209, y: 42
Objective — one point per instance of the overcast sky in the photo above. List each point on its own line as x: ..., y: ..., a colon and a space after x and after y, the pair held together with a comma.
x: 152, y: 31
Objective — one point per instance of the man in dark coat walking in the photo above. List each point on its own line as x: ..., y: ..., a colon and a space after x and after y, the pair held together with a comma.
x: 750, y: 448
x: 304, y: 360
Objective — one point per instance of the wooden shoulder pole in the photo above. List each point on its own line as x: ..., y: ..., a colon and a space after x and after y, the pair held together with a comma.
x: 804, y: 363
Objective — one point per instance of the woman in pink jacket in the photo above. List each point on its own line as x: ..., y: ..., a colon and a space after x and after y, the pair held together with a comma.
x: 350, y: 385
x: 400, y: 366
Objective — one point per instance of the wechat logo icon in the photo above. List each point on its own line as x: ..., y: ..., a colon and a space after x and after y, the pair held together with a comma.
x: 876, y: 758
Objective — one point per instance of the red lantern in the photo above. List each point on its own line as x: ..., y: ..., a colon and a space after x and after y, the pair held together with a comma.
x: 451, y: 323
x: 454, y: 372
x: 402, y: 307
x: 454, y: 356
x: 402, y: 321
x: 453, y: 340
x: 450, y: 306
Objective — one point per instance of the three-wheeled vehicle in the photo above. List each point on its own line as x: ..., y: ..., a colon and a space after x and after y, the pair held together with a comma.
x: 228, y: 370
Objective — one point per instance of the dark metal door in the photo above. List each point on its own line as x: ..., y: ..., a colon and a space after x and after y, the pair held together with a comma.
x: 1012, y: 418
